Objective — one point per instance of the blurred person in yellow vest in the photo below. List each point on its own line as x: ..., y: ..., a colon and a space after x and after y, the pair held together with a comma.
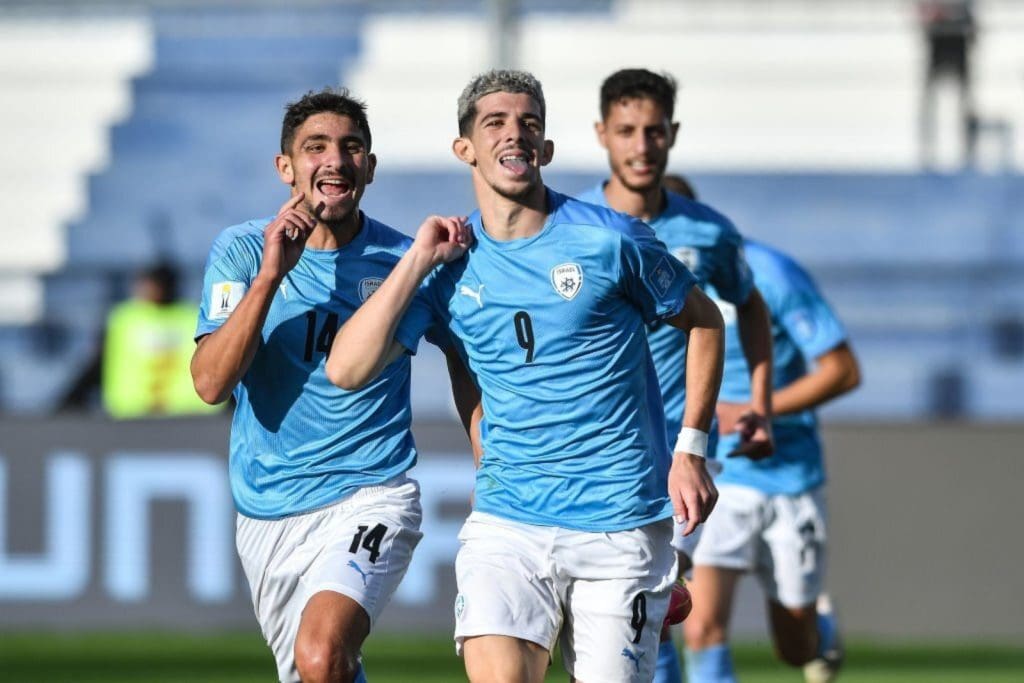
x: 148, y: 348
x: 143, y: 367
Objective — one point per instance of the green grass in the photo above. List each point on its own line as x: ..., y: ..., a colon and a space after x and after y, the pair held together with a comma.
x: 230, y: 658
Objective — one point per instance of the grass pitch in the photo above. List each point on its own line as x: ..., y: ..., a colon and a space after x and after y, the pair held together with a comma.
x: 232, y: 658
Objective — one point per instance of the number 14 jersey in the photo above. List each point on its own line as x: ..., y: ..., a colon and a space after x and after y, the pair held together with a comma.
x: 297, y: 441
x: 553, y: 328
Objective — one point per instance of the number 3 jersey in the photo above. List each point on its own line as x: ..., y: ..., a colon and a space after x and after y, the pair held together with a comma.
x: 553, y: 328
x: 297, y: 441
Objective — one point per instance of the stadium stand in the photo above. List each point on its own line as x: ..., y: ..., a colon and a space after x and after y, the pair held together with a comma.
x: 798, y: 120
x: 51, y: 69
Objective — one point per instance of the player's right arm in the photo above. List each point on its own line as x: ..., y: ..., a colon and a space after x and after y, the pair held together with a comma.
x: 691, y: 489
x: 223, y: 356
x: 835, y: 373
x: 366, y: 343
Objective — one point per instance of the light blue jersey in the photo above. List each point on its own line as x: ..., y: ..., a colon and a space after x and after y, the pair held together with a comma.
x: 803, y: 328
x: 297, y: 441
x: 553, y: 327
x: 712, y: 249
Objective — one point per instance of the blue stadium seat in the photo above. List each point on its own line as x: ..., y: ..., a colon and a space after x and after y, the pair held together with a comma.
x: 909, y: 260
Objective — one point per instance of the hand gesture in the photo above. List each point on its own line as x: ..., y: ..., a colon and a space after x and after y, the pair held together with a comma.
x: 756, y: 440
x: 285, y: 238
x: 443, y: 239
x: 692, y: 492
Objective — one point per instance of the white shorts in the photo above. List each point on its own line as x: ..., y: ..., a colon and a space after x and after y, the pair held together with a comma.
x: 360, y: 546
x: 779, y: 538
x: 606, y: 592
x: 687, y: 545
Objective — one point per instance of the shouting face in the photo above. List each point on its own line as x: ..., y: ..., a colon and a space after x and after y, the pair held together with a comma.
x: 329, y: 162
x: 506, y: 144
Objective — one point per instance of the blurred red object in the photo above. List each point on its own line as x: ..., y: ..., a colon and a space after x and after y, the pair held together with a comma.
x: 679, y: 604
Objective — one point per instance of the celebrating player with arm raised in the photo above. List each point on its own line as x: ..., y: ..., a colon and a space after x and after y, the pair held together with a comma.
x: 549, y: 298
x: 327, y: 518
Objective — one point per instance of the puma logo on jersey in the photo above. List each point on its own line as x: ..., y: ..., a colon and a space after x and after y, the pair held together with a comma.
x: 352, y: 563
x: 633, y: 656
x: 476, y: 296
x: 284, y: 289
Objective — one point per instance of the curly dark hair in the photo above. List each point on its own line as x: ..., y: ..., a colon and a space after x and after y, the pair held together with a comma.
x: 628, y: 84
x: 337, y: 101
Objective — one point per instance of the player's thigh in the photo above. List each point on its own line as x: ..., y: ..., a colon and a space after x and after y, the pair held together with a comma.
x: 273, y: 555
x: 613, y: 624
x: 288, y: 561
x: 367, y: 545
x: 793, y: 562
x: 504, y: 658
x: 505, y: 581
x: 332, y: 629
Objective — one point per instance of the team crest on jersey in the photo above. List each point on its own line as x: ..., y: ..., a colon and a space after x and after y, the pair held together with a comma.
x: 224, y: 298
x: 567, y: 279
x: 369, y: 285
x: 689, y: 256
x: 662, y: 276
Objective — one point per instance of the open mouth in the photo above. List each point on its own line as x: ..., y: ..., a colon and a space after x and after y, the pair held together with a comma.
x: 333, y: 187
x: 516, y: 162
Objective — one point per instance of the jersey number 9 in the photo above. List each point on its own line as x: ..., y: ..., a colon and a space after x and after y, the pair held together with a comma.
x: 524, y: 333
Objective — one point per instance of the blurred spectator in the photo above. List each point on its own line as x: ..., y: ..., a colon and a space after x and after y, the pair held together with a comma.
x: 142, y: 365
x: 949, y: 29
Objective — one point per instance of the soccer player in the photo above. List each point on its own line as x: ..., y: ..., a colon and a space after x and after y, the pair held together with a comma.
x: 638, y: 131
x: 327, y: 518
x: 770, y: 518
x: 571, y: 526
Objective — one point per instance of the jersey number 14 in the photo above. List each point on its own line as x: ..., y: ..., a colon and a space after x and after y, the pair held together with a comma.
x: 319, y: 342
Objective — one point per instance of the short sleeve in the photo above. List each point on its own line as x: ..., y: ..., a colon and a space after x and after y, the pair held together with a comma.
x: 422, y: 317
x: 653, y: 280
x: 732, y: 277
x: 226, y: 280
x: 803, y: 312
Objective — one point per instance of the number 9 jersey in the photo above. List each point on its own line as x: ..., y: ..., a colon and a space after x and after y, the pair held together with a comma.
x: 553, y: 328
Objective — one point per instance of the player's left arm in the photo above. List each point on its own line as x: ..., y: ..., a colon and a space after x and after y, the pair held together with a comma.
x: 835, y: 373
x: 753, y: 320
x: 692, y: 492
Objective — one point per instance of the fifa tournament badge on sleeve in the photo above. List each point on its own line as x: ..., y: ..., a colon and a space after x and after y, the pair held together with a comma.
x: 224, y: 298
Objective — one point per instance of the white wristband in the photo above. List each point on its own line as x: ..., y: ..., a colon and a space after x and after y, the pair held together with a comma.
x: 692, y: 441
